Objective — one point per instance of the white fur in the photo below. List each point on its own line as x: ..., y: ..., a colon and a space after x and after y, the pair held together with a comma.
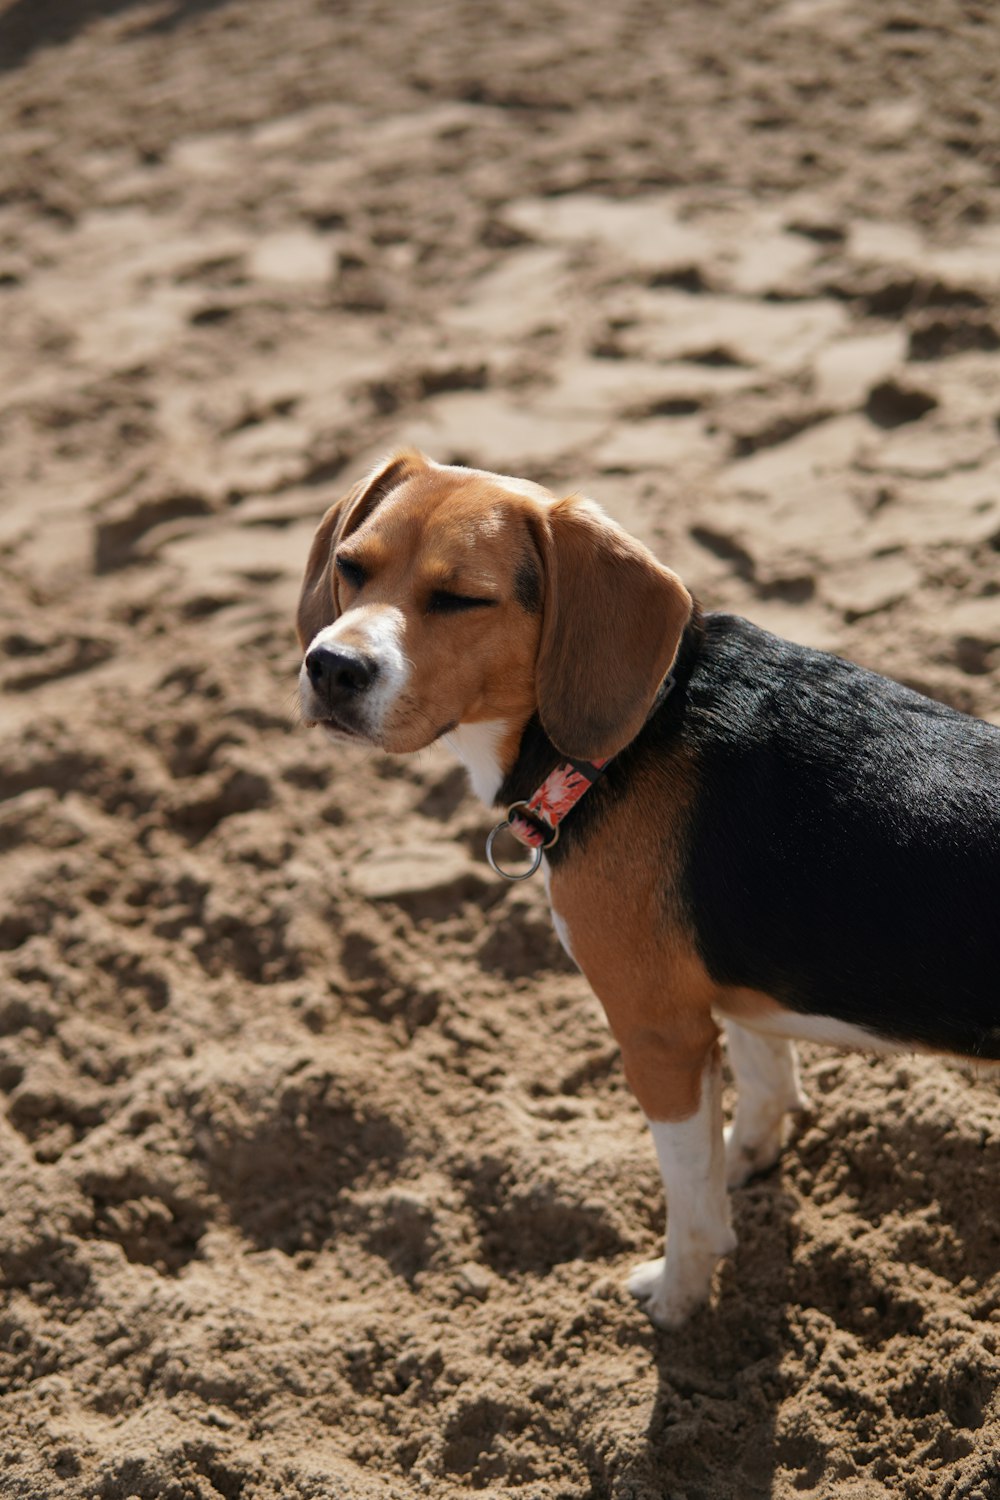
x: 478, y: 748
x: 699, y: 1231
x: 378, y: 630
x: 768, y: 1087
x: 825, y: 1029
x: 558, y: 922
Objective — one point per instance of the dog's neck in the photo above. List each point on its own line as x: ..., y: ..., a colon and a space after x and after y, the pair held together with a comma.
x: 500, y: 775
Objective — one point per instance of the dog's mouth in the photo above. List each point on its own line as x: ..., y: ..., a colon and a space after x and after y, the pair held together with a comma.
x: 338, y: 729
x: 341, y: 730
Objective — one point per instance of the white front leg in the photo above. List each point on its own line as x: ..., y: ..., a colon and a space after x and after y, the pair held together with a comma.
x: 699, y: 1231
x: 767, y: 1087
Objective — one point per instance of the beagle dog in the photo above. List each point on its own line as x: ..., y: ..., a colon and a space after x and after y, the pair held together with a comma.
x: 734, y: 831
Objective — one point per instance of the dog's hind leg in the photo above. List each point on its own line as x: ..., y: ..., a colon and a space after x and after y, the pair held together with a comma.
x: 768, y: 1088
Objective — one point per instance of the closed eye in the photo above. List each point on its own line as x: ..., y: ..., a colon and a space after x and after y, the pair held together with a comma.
x: 442, y: 602
x: 351, y: 572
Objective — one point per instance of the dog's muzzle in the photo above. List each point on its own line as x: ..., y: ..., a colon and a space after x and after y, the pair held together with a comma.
x: 340, y: 679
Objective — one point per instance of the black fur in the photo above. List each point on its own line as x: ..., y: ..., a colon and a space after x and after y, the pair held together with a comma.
x: 536, y: 757
x: 528, y: 585
x: 844, y: 848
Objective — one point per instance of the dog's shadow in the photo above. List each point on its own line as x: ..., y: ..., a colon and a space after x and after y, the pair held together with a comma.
x: 808, y: 1276
x: 720, y: 1376
x: 29, y: 24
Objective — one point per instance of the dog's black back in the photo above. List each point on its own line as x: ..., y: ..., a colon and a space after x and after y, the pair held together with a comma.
x: 844, y: 849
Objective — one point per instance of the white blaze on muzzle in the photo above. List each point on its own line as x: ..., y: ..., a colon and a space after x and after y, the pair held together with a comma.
x: 377, y: 632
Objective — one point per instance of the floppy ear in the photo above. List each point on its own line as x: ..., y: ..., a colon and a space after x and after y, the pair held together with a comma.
x: 318, y: 605
x: 612, y: 623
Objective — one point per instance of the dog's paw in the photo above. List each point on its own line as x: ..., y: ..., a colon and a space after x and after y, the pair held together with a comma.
x: 644, y: 1281
x: 669, y: 1301
x: 745, y: 1158
x: 756, y: 1139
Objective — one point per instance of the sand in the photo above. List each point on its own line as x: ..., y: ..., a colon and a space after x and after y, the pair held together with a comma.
x: 320, y: 1176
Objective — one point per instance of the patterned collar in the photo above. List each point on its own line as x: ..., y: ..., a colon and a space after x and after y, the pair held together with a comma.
x: 535, y: 822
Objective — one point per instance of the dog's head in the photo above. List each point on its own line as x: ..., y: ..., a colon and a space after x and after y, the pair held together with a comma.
x: 436, y: 596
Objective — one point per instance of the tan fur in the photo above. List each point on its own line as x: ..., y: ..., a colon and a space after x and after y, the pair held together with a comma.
x: 318, y: 603
x: 436, y: 528
x: 618, y: 897
x: 614, y: 617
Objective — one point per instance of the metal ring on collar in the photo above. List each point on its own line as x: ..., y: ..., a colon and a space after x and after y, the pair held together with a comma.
x: 512, y: 809
x: 536, y: 851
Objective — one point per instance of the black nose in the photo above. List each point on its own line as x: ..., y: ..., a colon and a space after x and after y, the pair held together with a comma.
x: 338, y: 671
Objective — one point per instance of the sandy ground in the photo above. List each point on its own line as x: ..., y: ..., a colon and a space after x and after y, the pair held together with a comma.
x: 319, y: 1174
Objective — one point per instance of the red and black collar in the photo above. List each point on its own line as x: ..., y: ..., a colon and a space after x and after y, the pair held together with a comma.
x: 535, y: 820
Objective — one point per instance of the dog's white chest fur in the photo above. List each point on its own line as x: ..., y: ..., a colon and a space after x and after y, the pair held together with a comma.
x: 478, y: 748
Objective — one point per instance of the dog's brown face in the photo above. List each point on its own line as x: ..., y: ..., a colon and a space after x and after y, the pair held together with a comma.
x: 437, y: 596
x: 426, y: 613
